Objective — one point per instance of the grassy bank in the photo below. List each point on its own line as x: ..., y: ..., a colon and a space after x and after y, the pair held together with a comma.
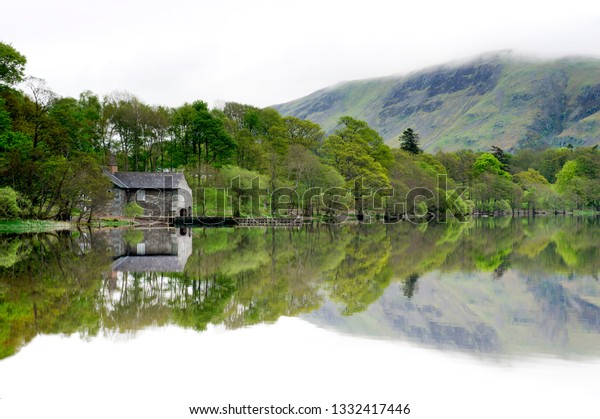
x: 32, y: 226
x: 108, y: 222
x: 580, y: 213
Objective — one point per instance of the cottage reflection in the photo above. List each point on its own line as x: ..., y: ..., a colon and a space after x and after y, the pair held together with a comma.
x: 151, y: 250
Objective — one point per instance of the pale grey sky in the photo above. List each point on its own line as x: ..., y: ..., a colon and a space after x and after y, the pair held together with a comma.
x: 263, y: 52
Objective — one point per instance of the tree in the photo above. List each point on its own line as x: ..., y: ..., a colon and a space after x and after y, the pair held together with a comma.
x: 410, y: 285
x: 9, y: 207
x: 488, y: 163
x: 43, y: 98
x: 246, y: 190
x: 551, y: 162
x: 348, y: 152
x: 502, y: 157
x: 579, y: 180
x: 304, y: 132
x: 133, y: 210
x: 12, y: 65
x: 91, y: 187
x: 409, y: 141
x: 180, y: 147
x: 537, y: 190
x: 213, y: 144
x: 564, y: 178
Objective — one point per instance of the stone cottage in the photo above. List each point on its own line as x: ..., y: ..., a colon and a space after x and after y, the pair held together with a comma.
x: 159, y: 194
x: 150, y: 250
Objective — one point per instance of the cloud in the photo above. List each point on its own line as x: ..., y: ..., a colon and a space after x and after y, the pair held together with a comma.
x: 268, y: 51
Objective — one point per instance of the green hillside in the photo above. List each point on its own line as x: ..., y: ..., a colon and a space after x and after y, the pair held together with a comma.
x: 497, y: 99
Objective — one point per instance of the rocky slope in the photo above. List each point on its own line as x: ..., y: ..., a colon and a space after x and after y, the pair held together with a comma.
x: 499, y: 99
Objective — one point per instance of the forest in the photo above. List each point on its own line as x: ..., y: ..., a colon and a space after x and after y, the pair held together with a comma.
x: 53, y: 150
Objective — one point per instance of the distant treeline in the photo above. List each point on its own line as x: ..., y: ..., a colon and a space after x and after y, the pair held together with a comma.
x: 52, y: 150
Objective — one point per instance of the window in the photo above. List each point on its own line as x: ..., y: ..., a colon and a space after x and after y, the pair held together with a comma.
x: 141, y: 195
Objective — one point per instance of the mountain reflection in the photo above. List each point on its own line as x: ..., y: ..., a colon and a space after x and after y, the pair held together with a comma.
x: 501, y: 285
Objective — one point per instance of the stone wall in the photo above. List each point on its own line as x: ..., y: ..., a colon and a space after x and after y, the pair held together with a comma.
x: 155, y: 202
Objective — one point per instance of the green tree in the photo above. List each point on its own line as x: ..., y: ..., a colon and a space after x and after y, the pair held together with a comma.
x: 212, y: 143
x: 12, y: 65
x: 133, y: 210
x: 488, y: 163
x: 9, y: 206
x: 503, y: 158
x: 244, y: 188
x: 352, y: 150
x: 304, y: 132
x: 409, y: 141
x: 580, y: 181
x: 91, y: 189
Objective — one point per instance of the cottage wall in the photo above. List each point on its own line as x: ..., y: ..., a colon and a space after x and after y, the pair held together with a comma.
x: 144, y: 242
x: 185, y: 200
x: 156, y: 202
x: 117, y: 205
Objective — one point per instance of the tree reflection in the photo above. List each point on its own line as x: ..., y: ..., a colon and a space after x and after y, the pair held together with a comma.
x: 410, y: 285
x: 69, y: 282
x: 51, y: 286
x: 364, y: 273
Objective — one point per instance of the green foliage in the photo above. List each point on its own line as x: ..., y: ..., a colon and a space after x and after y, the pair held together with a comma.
x: 246, y: 190
x: 364, y: 273
x: 10, y: 252
x: 9, y: 207
x: 52, y: 150
x: 502, y: 157
x: 452, y: 202
x: 214, y: 145
x: 353, y: 150
x: 12, y: 65
x: 409, y: 141
x: 31, y: 226
x: 530, y: 178
x: 133, y: 237
x: 488, y: 163
x: 579, y: 180
x: 133, y: 210
x: 53, y: 283
x: 304, y: 132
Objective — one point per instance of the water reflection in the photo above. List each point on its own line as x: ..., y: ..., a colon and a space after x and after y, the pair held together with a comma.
x: 504, y: 286
x: 151, y: 250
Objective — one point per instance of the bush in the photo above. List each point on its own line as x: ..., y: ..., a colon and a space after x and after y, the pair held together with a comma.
x: 421, y: 209
x: 502, y: 205
x: 133, y: 210
x: 9, y: 207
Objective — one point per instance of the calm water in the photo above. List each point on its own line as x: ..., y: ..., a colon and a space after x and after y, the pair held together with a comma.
x: 453, y: 319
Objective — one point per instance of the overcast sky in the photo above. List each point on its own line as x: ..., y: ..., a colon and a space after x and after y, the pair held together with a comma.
x: 271, y: 51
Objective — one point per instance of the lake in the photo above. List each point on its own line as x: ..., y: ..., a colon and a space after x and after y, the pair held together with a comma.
x: 496, y: 317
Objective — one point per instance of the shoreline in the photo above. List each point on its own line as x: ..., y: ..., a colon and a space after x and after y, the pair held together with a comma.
x: 43, y: 226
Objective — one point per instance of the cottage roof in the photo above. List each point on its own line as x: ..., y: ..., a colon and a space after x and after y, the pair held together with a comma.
x: 147, y: 180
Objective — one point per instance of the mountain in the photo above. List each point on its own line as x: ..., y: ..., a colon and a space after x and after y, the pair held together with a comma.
x: 501, y: 99
x: 470, y: 313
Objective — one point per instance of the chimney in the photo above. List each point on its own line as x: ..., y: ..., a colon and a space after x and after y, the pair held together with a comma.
x: 112, y: 164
